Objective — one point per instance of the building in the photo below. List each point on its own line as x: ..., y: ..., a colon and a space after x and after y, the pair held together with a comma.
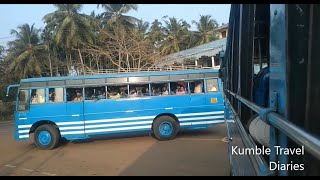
x: 205, y: 55
x: 222, y: 31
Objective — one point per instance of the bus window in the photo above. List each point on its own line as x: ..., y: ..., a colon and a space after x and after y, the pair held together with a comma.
x: 158, y: 89
x: 212, y: 85
x: 92, y: 93
x: 139, y: 90
x: 117, y: 92
x: 37, y: 96
x: 74, y: 94
x: 23, y: 100
x: 196, y: 87
x: 179, y: 88
x: 55, y: 94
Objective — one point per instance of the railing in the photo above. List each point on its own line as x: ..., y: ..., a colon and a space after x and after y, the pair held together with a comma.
x: 298, y: 135
x: 77, y: 71
x: 153, y: 69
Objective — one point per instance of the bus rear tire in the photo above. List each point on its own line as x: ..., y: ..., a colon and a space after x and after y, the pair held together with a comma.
x: 165, y: 128
x: 46, y: 137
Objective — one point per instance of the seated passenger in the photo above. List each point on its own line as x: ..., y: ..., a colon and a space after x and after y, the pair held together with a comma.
x: 139, y: 93
x: 165, y: 91
x: 114, y: 95
x: 100, y: 95
x: 133, y: 93
x: 78, y: 96
x: 198, y: 88
x: 180, y: 90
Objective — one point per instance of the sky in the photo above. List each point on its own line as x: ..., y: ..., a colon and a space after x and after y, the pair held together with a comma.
x: 13, y: 15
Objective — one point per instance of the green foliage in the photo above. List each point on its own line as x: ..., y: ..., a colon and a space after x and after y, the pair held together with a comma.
x: 111, y: 39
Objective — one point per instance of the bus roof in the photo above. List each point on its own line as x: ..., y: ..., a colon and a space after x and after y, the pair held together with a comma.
x: 137, y: 74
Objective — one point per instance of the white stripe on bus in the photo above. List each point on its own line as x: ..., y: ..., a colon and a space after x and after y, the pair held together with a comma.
x: 25, y: 126
x: 71, y: 128
x: 201, y: 113
x: 69, y: 123
x: 24, y: 136
x: 72, y: 132
x: 118, y: 124
x: 118, y: 129
x: 123, y: 119
x: 24, y: 131
x: 200, y: 118
x: 201, y: 123
x: 120, y: 119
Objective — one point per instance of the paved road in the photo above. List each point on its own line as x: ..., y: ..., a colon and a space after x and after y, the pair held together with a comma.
x: 200, y: 152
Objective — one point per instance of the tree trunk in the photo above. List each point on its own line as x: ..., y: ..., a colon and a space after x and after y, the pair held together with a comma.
x: 50, y: 63
x: 119, y: 58
x: 67, y: 58
x: 82, y: 64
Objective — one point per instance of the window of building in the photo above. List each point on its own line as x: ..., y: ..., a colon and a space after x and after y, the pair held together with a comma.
x: 224, y: 34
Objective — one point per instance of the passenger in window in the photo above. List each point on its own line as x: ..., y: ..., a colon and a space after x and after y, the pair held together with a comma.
x: 34, y: 99
x: 139, y: 93
x: 211, y: 87
x: 133, y: 93
x: 51, y: 96
x: 114, y: 95
x: 87, y: 97
x: 156, y: 92
x: 165, y: 91
x: 198, y: 88
x: 180, y: 90
x: 145, y: 92
x: 78, y: 96
x: 100, y: 95
x: 123, y: 94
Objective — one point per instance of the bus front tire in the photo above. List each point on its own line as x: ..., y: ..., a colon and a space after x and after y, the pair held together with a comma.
x: 46, y: 137
x: 165, y: 128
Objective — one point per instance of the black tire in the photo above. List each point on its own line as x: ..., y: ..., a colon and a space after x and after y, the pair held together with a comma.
x: 63, y: 141
x: 165, y: 121
x: 48, y: 130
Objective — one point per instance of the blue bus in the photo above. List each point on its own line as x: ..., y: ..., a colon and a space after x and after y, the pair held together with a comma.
x: 79, y: 107
x: 270, y: 74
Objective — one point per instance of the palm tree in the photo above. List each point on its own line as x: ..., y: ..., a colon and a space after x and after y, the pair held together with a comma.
x: 25, y: 54
x: 70, y: 28
x: 114, y: 13
x: 1, y: 52
x: 176, y: 34
x: 142, y: 28
x: 205, y: 29
x: 156, y: 33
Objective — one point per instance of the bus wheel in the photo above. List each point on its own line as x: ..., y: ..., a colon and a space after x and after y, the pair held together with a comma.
x: 46, y: 137
x: 165, y: 128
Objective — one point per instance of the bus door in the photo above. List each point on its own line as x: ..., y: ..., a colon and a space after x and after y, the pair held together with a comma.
x: 74, y: 110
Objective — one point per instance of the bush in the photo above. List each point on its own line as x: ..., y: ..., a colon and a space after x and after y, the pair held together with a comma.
x: 6, y: 110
